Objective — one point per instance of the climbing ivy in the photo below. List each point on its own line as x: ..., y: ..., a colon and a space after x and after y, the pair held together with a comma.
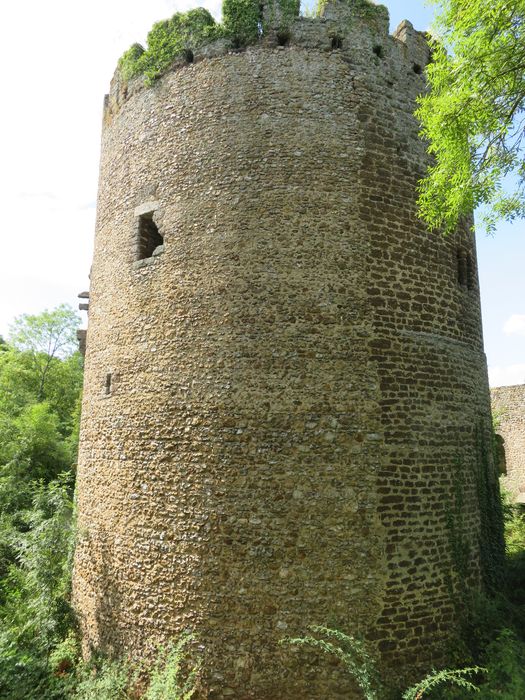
x: 180, y: 35
x: 459, y: 548
x: 361, y: 8
x: 242, y: 20
x: 129, y: 61
x: 492, y: 541
x: 282, y: 14
x: 168, y: 40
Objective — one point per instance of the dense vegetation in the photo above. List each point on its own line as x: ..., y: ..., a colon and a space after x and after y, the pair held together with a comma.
x: 40, y: 383
x: 243, y: 23
x: 178, y: 37
x: 168, y: 40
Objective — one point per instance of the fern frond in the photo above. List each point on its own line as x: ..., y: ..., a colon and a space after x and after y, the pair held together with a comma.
x: 456, y: 677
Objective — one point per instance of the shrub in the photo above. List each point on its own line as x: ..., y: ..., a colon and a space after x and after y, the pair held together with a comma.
x: 242, y: 20
x: 352, y: 653
x: 129, y: 63
x: 186, y: 31
x: 168, y: 679
x: 505, y: 659
x: 101, y: 680
x: 35, y: 615
x: 168, y: 40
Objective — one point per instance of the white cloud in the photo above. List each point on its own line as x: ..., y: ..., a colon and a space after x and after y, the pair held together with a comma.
x: 507, y: 375
x: 515, y: 325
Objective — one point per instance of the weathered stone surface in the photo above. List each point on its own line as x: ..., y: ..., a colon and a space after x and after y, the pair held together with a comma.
x: 295, y: 381
x: 508, y: 403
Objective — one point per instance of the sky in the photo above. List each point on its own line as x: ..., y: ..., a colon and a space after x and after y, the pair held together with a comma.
x: 59, y: 57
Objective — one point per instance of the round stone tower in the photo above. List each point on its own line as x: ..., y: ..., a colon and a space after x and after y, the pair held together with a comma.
x: 286, y: 404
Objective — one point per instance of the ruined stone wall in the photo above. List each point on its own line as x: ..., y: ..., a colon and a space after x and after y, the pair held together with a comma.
x: 283, y: 400
x: 508, y: 405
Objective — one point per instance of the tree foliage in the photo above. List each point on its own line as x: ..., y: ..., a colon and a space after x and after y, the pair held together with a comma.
x: 35, y: 612
x: 40, y: 384
x: 474, y: 113
x: 44, y: 338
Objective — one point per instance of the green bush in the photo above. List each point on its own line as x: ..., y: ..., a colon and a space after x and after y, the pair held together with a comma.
x: 129, y: 63
x: 100, y: 680
x: 504, y: 673
x: 168, y: 40
x: 242, y: 20
x: 505, y: 660
x: 180, y: 35
x: 35, y: 615
x: 514, y: 516
x: 168, y: 678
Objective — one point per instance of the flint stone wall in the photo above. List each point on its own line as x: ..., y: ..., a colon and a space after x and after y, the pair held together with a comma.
x: 295, y: 380
x: 508, y: 404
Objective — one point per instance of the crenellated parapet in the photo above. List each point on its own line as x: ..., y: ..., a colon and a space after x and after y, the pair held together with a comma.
x: 357, y: 29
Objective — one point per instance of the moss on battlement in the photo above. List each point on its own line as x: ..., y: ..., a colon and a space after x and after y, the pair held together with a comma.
x: 168, y: 40
x: 244, y: 22
x: 365, y: 9
x: 177, y: 37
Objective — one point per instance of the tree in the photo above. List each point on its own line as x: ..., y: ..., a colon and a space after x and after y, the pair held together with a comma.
x: 39, y: 412
x: 45, y: 337
x: 474, y: 113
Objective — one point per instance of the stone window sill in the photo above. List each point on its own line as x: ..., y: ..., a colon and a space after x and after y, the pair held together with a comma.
x: 148, y: 261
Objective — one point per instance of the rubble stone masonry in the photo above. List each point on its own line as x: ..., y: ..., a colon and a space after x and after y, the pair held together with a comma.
x: 285, y: 379
x: 508, y: 405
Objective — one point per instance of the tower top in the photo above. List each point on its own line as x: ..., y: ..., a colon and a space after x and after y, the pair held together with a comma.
x: 354, y: 27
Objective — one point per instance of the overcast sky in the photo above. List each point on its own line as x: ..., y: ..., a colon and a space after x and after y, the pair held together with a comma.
x: 58, y: 59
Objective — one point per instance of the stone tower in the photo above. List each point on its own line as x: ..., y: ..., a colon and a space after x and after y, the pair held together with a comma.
x: 285, y: 380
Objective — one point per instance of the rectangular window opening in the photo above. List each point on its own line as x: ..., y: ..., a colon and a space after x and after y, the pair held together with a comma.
x: 462, y: 268
x: 108, y: 384
x: 149, y: 237
x: 465, y: 269
x: 470, y: 272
